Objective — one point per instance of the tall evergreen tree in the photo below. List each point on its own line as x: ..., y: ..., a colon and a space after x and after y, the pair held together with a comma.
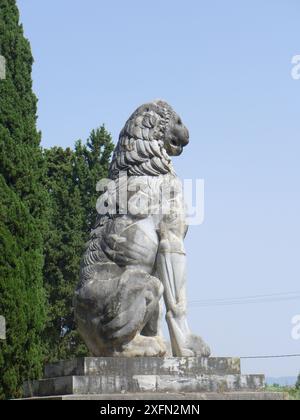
x: 91, y: 165
x: 63, y: 247
x: 71, y: 181
x: 23, y: 202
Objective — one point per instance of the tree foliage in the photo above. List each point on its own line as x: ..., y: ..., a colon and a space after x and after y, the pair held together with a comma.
x: 71, y: 182
x: 23, y: 211
x: 47, y: 207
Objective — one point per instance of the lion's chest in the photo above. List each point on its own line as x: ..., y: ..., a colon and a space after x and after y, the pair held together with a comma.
x: 161, y: 198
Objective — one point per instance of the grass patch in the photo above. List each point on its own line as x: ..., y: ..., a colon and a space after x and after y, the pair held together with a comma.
x: 294, y: 394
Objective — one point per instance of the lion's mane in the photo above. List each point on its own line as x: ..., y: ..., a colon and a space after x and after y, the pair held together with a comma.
x: 140, y: 150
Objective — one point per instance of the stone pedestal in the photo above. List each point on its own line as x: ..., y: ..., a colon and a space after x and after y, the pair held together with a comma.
x: 148, y: 379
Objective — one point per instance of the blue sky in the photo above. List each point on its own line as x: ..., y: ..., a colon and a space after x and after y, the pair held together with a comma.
x: 225, y: 66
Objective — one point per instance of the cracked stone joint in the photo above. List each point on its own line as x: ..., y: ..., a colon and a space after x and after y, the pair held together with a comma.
x: 2, y: 68
x: 2, y: 328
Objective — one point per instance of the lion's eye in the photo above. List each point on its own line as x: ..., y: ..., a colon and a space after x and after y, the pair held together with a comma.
x: 179, y: 121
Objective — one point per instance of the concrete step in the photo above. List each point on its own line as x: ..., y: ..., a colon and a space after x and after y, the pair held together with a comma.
x: 114, y: 384
x: 211, y: 396
x: 144, y: 366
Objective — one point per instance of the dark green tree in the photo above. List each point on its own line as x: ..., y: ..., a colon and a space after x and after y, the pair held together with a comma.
x: 71, y: 182
x: 91, y: 165
x: 63, y: 247
x: 23, y: 215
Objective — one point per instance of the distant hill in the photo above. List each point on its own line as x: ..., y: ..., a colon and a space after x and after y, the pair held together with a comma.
x: 282, y: 381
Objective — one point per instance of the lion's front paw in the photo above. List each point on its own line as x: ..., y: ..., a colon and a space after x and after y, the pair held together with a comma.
x: 143, y: 346
x: 197, y: 346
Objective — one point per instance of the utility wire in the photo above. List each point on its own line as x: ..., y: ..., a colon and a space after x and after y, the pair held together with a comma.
x: 283, y: 356
x: 255, y: 296
x: 246, y: 300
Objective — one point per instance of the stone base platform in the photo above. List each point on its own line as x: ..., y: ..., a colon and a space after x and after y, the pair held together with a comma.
x: 148, y: 378
x: 211, y: 396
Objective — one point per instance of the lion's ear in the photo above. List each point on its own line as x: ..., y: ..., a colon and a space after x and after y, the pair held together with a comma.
x: 149, y: 121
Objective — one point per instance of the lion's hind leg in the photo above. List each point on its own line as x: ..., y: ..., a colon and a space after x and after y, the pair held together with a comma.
x: 126, y: 305
x: 129, y: 311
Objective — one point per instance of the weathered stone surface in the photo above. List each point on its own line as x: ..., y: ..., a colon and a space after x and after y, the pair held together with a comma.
x: 2, y: 68
x: 144, y: 366
x: 212, y: 396
x: 134, y: 259
x: 143, y: 384
x: 2, y: 328
x: 148, y: 378
x: 136, y: 252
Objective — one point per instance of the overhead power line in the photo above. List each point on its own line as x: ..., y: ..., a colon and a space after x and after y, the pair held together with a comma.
x: 283, y: 356
x: 248, y: 300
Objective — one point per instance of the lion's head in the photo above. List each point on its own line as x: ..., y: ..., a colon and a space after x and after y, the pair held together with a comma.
x: 150, y: 137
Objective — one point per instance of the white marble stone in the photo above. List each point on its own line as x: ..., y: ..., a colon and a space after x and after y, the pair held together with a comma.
x: 137, y: 257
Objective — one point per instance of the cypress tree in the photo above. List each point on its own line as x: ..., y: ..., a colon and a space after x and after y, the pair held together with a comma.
x: 23, y: 216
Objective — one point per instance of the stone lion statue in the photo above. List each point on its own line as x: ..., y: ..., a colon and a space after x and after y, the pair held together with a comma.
x: 136, y: 256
